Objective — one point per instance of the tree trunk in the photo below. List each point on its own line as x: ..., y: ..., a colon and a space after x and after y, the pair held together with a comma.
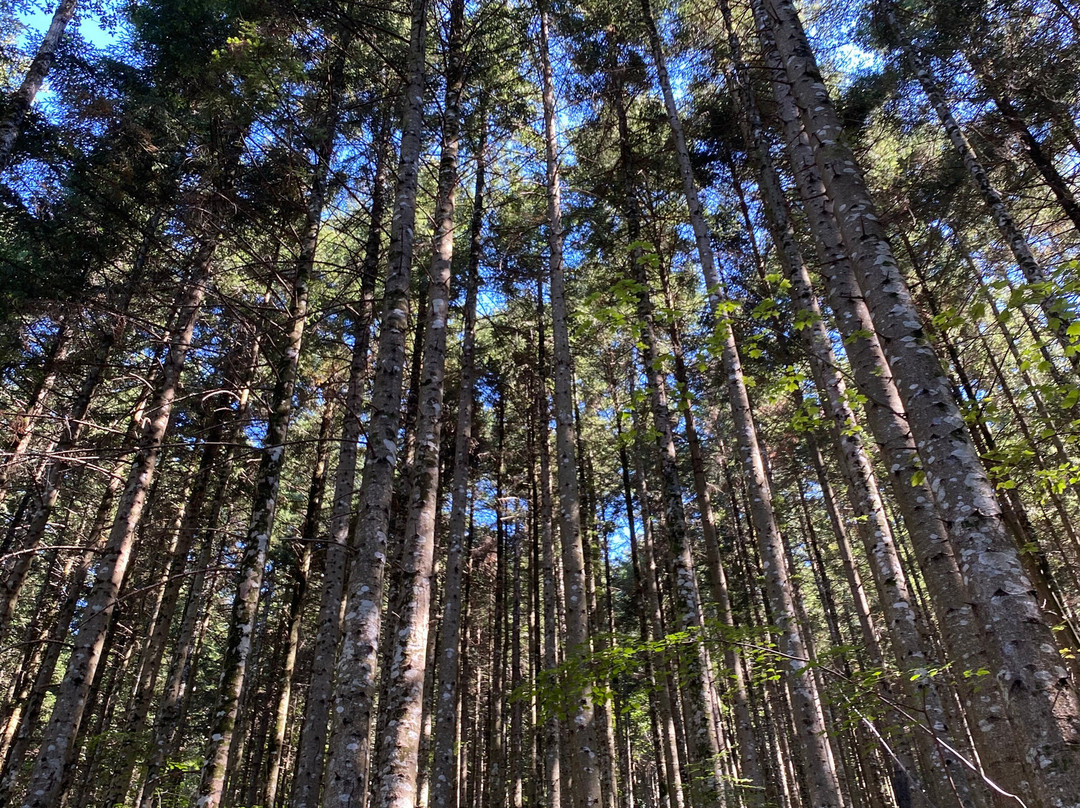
x: 705, y: 746
x: 585, y: 757
x: 1042, y: 706
x: 406, y: 673
x: 57, y: 745
x: 552, y: 733
x: 355, y: 674
x: 309, y: 534
x: 1055, y: 304
x: 268, y: 477
x: 444, y: 788
x: 825, y: 789
x: 35, y: 77
x: 311, y: 751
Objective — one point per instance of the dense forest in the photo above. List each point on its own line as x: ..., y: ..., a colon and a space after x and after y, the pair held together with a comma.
x: 483, y: 403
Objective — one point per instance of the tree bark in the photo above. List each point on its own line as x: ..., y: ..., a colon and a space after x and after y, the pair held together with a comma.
x: 824, y: 785
x: 444, y: 787
x: 23, y: 98
x: 310, y: 754
x: 57, y: 745
x: 406, y: 673
x: 355, y: 674
x: 1055, y: 305
x: 585, y: 757
x: 1042, y: 705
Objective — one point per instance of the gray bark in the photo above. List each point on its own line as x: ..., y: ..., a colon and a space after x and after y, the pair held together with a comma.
x: 585, y: 757
x: 355, y: 674
x: 267, y: 482
x: 57, y: 745
x: 1041, y: 705
x: 34, y: 79
x: 444, y: 787
x: 810, y: 723
x: 397, y: 779
x: 1058, y: 311
x: 310, y: 754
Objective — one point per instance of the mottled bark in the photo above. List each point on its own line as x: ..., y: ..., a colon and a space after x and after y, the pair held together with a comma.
x: 585, y: 756
x: 704, y: 745
x: 57, y: 745
x: 552, y: 733
x: 907, y: 633
x: 311, y: 750
x: 406, y: 672
x: 444, y: 787
x: 309, y: 534
x: 268, y: 476
x: 23, y: 98
x: 1041, y: 706
x: 891, y: 429
x: 810, y: 721
x: 355, y: 674
x: 1055, y: 304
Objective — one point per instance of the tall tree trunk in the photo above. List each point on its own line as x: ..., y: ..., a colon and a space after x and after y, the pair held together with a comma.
x: 874, y: 528
x: 25, y: 425
x: 44, y: 499
x: 885, y: 415
x: 1042, y: 706
x: 824, y: 785
x: 444, y: 788
x: 311, y: 751
x: 169, y: 592
x: 170, y: 709
x: 59, y: 737
x: 585, y: 757
x: 355, y: 674
x: 552, y: 733
x: 271, y: 463
x: 1054, y: 303
x: 705, y: 744
x: 20, y: 103
x: 406, y: 673
x: 309, y: 534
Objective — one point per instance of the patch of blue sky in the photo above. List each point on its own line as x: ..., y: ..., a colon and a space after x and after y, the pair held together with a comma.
x: 100, y: 32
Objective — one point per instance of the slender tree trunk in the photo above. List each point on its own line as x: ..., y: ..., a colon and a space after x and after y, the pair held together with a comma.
x: 705, y: 746
x: 1042, y: 161
x: 57, y: 745
x: 406, y: 673
x: 1055, y: 305
x: 444, y: 788
x: 824, y: 785
x: 268, y: 477
x: 170, y: 708
x: 43, y: 501
x: 585, y: 757
x: 355, y: 675
x: 26, y: 424
x: 552, y: 733
x: 20, y: 103
x: 666, y: 691
x: 874, y: 529
x: 1042, y: 706
x: 308, y: 536
x: 310, y: 754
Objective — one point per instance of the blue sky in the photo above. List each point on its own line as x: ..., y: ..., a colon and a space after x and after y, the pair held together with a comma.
x: 89, y: 25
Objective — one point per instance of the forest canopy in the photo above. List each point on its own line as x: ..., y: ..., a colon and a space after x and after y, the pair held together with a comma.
x: 484, y: 403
